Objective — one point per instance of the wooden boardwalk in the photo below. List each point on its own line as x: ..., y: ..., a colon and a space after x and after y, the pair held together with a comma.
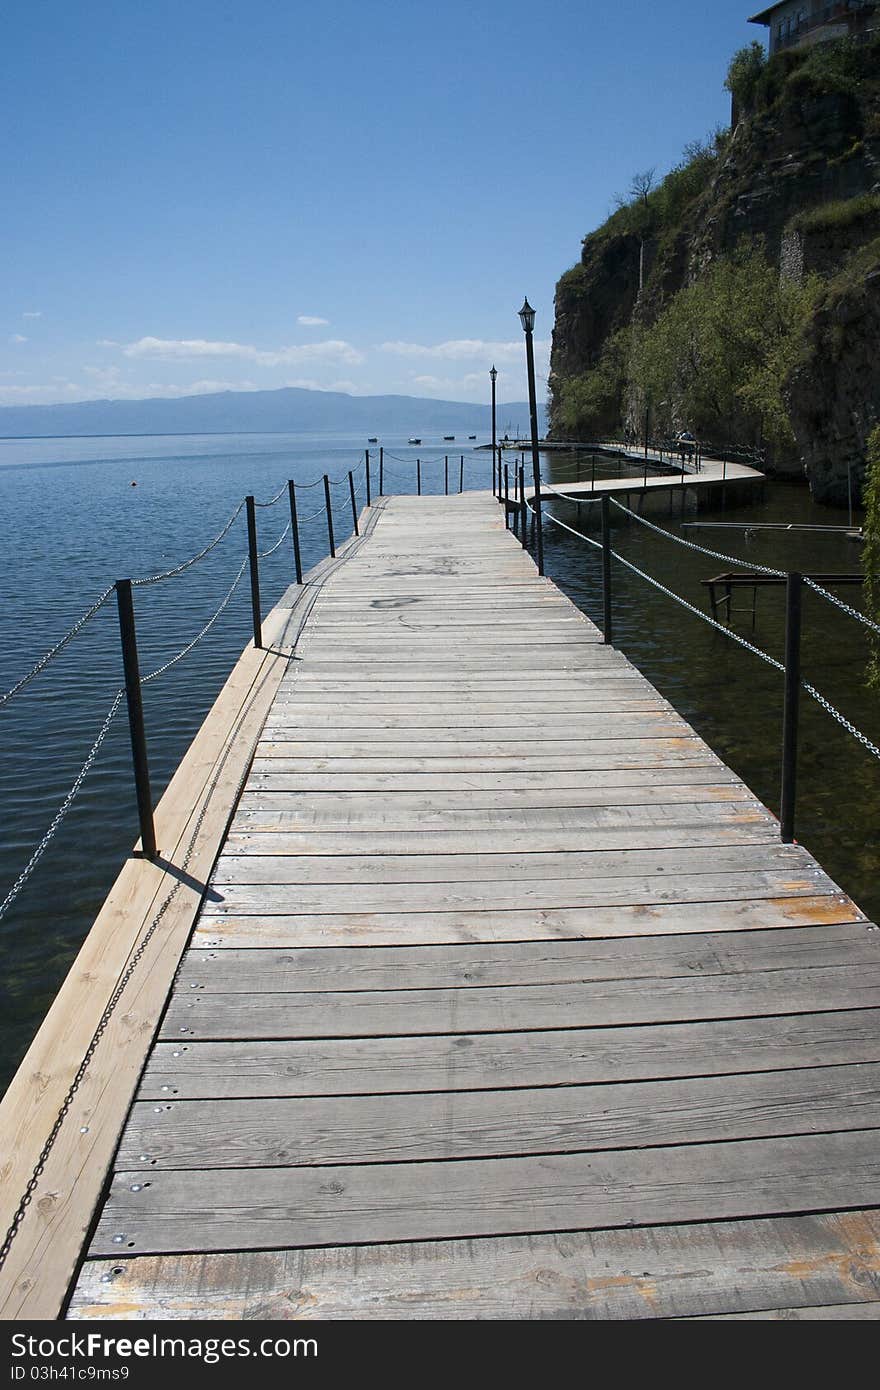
x: 505, y: 999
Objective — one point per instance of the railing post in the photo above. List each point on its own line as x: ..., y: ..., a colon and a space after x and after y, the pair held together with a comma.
x: 446, y: 475
x: 294, y: 530
x: 329, y: 516
x: 254, y: 565
x: 539, y: 527
x: 369, y: 497
x: 354, y: 514
x: 381, y: 470
x: 791, y: 706
x: 606, y: 568
x: 506, y: 498
x: 418, y: 477
x: 136, y: 716
x: 461, y: 474
x: 523, y: 509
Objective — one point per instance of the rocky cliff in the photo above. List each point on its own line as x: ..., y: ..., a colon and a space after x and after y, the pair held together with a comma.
x: 800, y: 176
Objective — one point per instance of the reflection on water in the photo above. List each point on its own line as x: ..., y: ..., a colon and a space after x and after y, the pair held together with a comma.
x: 733, y: 699
x: 71, y: 522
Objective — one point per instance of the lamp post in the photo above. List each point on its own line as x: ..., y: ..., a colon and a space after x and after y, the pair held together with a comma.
x: 527, y: 319
x: 493, y: 375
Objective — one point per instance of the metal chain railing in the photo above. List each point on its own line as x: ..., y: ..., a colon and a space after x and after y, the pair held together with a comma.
x: 137, y: 956
x: 187, y: 564
x: 841, y: 719
x: 59, y: 647
x: 839, y: 603
x: 63, y: 808
x: 264, y: 554
x: 692, y: 545
x: 160, y: 671
x: 282, y: 492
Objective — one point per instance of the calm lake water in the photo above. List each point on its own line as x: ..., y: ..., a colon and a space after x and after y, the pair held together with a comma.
x: 71, y: 523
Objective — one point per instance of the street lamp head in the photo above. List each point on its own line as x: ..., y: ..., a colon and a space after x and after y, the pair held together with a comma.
x: 527, y: 316
x: 492, y: 372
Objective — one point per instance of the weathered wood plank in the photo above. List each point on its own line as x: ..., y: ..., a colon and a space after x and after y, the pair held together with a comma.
x: 524, y: 962
x: 466, y: 1062
x: 312, y: 1131
x: 487, y: 923
x: 249, y: 1209
x: 388, y: 1013
x: 789, y: 1262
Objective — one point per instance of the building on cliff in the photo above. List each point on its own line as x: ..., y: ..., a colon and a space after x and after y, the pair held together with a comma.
x: 799, y: 23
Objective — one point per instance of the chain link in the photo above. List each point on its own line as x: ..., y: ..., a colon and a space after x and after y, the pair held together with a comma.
x: 691, y: 545
x: 62, y: 810
x: 841, y: 719
x: 272, y: 500
x: 264, y: 554
x: 187, y: 564
x: 839, y: 603
x: 59, y: 646
x: 39, y: 1167
x: 160, y: 671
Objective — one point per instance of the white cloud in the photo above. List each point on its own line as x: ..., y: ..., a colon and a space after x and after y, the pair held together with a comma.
x: 310, y: 321
x: 182, y: 349
x: 32, y: 314
x: 17, y: 338
x: 467, y: 350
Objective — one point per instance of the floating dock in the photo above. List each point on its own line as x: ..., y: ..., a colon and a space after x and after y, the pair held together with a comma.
x: 485, y: 990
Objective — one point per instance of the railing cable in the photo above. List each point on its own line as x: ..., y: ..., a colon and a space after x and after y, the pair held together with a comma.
x: 154, y: 675
x: 187, y: 564
x: 839, y: 603
x: 63, y: 808
x: 59, y: 647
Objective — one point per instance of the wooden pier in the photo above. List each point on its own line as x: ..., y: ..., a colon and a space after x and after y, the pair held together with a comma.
x: 503, y: 999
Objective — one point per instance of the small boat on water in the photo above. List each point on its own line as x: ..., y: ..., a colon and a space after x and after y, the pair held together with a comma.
x: 373, y: 439
x: 472, y: 436
x: 414, y: 440
x: 447, y: 438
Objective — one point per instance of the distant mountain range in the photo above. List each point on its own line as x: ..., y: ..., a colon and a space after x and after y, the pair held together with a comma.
x: 288, y: 409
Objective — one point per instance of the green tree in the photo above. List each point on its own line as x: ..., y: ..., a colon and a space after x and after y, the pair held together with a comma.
x: 589, y: 404
x: 743, y: 74
x: 720, y: 351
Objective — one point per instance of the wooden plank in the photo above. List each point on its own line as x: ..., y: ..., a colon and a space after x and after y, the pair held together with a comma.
x: 676, y: 773
x: 467, y: 1062
x: 248, y: 971
x: 389, y: 1013
x: 498, y: 896
x: 604, y: 808
x: 248, y: 1209
x: 438, y: 1126
x: 787, y: 1262
x: 514, y: 868
x: 700, y: 833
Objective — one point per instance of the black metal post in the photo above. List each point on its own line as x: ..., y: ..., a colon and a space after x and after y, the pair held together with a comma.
x: 523, y: 511
x: 369, y: 497
x: 381, y: 470
x: 506, y: 497
x: 446, y: 474
x: 791, y: 706
x: 354, y: 510
x: 329, y: 515
x: 419, y: 477
x: 461, y: 474
x: 605, y: 507
x: 539, y: 522
x: 136, y: 717
x: 294, y: 530
x: 493, y: 375
x: 254, y: 564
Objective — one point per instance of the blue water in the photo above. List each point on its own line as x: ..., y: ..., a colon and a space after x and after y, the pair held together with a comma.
x: 71, y: 523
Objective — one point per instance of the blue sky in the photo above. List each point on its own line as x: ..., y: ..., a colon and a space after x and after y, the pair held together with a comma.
x: 213, y: 194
